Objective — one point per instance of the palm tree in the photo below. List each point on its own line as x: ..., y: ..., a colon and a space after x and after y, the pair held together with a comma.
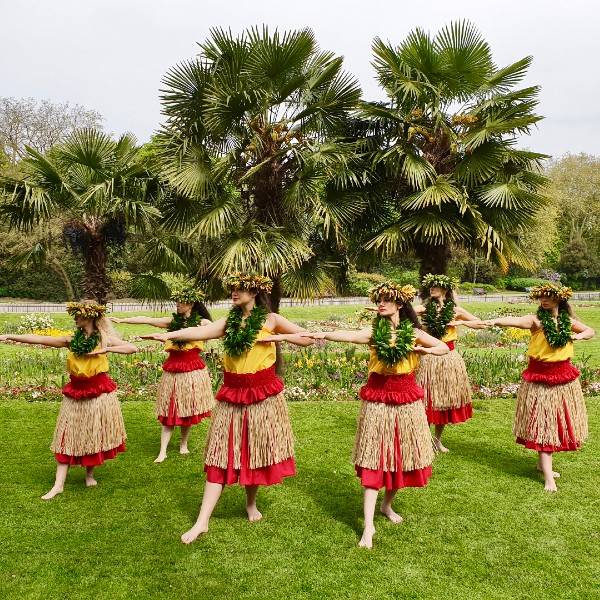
x: 96, y: 186
x: 445, y: 167
x: 252, y: 154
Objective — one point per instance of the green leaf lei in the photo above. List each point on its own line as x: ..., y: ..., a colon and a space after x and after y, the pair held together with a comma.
x: 180, y: 322
x: 560, y: 336
x: 81, y: 345
x: 387, y: 351
x: 435, y: 321
x: 238, y: 339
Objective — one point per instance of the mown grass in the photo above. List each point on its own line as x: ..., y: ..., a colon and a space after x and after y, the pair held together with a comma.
x: 483, y: 528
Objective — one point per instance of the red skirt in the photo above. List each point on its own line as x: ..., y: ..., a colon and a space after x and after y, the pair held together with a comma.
x: 174, y: 420
x: 269, y: 475
x: 550, y: 373
x: 90, y: 460
x: 449, y: 416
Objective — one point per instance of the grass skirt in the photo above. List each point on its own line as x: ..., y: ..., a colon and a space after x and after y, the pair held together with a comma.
x: 250, y: 443
x: 184, y: 398
x: 447, y: 388
x: 550, y: 418
x: 393, y: 446
x: 89, y: 431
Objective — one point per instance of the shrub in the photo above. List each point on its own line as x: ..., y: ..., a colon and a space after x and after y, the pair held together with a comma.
x: 467, y: 288
x: 120, y: 284
x: 35, y: 322
x: 521, y: 284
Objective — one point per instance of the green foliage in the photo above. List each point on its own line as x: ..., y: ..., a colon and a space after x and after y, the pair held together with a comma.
x: 467, y: 287
x: 521, y: 284
x: 120, y: 284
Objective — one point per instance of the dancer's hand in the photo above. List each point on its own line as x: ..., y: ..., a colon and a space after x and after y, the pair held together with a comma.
x: 489, y: 323
x: 371, y: 308
x: 115, y: 319
x: 574, y: 336
x: 276, y: 337
x: 4, y: 338
x: 159, y: 337
x: 314, y: 335
x: 96, y: 352
x: 422, y: 350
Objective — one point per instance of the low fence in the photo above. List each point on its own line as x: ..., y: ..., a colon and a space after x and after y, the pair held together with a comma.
x: 56, y: 307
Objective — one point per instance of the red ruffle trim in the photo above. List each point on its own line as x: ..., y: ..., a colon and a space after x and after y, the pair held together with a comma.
x: 249, y: 388
x: 90, y: 460
x: 550, y: 373
x: 450, y: 415
x: 183, y: 361
x: 450, y: 345
x: 270, y: 475
x: 566, y: 438
x: 174, y: 420
x: 81, y: 388
x: 391, y: 389
x: 393, y: 480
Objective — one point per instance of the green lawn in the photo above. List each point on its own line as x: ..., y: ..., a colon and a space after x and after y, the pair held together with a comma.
x: 483, y: 528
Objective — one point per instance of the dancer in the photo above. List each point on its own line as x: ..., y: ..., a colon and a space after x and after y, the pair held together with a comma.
x: 551, y: 414
x: 185, y: 395
x: 444, y: 378
x: 393, y: 447
x: 250, y: 437
x: 90, y: 427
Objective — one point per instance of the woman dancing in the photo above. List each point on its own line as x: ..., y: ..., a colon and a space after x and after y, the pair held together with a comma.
x: 393, y: 447
x: 444, y: 378
x: 250, y: 437
x: 185, y: 395
x: 90, y: 427
x: 551, y: 414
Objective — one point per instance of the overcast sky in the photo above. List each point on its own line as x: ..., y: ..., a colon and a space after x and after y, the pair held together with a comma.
x: 110, y: 55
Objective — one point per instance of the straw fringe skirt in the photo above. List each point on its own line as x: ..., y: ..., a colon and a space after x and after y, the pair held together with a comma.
x: 550, y: 418
x: 382, y: 426
x: 89, y: 426
x: 184, y: 396
x: 447, y: 388
x: 247, y: 437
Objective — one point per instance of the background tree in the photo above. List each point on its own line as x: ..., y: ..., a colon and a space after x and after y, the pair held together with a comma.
x: 443, y: 150
x: 25, y: 122
x: 251, y: 151
x: 96, y: 187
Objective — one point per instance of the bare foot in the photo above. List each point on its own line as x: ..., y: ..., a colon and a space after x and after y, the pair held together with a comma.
x: 550, y: 485
x: 183, y: 450
x: 555, y: 474
x: 440, y: 447
x: 90, y: 482
x: 366, y: 541
x: 160, y: 458
x: 197, y: 530
x: 394, y: 517
x: 253, y: 513
x: 53, y: 492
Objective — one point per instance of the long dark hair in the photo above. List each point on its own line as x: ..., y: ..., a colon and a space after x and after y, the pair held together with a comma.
x: 200, y: 309
x: 262, y: 299
x: 564, y: 305
x: 406, y: 311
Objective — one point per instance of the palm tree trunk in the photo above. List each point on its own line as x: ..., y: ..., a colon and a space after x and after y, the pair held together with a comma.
x: 95, y: 280
x: 55, y: 266
x: 434, y: 259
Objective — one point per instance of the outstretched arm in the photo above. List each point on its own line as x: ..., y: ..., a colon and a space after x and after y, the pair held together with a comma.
x: 285, y: 331
x: 116, y: 346
x: 526, y: 322
x: 43, y: 340
x: 191, y: 334
x: 162, y: 322
x: 582, y: 331
x: 362, y: 336
x: 464, y: 315
x: 427, y: 344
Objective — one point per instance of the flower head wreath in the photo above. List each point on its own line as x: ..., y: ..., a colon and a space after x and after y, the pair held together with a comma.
x: 441, y: 281
x: 392, y: 291
x: 86, y: 310
x: 248, y: 281
x: 550, y: 290
x: 188, y: 295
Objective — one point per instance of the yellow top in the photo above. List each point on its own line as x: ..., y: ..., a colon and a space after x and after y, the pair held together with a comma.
x: 87, y: 366
x: 405, y: 366
x: 170, y: 345
x: 259, y: 357
x: 540, y: 349
x: 451, y: 334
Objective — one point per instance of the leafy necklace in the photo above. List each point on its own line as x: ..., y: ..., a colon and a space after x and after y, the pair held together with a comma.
x: 180, y: 322
x: 81, y: 345
x: 238, y: 339
x: 435, y: 321
x: 388, y: 351
x: 560, y: 336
